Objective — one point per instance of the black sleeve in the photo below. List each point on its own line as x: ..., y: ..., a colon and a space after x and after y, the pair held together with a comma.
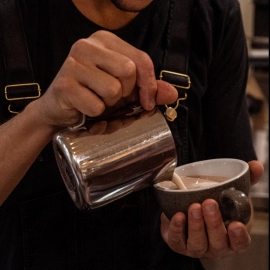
x: 225, y: 115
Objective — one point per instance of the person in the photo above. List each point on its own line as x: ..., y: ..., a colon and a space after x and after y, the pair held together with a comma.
x: 91, y: 55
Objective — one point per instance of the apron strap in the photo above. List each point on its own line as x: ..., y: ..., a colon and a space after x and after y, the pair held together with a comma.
x: 175, y: 62
x: 21, y: 87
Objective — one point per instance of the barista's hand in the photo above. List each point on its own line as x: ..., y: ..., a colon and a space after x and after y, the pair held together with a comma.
x: 99, y: 72
x: 256, y: 171
x: 206, y: 234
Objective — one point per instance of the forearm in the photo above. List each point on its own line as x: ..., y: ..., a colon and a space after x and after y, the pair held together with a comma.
x: 21, y: 140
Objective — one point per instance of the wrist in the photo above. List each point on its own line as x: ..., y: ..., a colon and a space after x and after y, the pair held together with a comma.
x: 37, y: 119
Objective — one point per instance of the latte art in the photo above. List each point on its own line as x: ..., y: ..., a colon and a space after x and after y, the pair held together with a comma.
x: 194, y: 182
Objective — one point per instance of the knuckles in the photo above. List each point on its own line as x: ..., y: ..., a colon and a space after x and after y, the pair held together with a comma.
x: 146, y: 63
x: 96, y: 109
x: 218, y: 248
x: 102, y: 34
x: 83, y: 47
x: 196, y: 249
x: 113, y: 93
x: 62, y: 85
x: 134, y: 68
x: 79, y: 47
x: 129, y: 68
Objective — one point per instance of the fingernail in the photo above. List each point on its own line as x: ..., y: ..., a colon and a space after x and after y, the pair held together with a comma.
x: 237, y: 231
x: 178, y: 222
x: 196, y: 213
x: 210, y: 209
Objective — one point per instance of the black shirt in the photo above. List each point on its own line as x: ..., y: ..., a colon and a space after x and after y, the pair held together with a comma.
x: 40, y: 227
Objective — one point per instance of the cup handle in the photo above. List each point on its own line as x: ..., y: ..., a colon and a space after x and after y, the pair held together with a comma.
x: 236, y: 206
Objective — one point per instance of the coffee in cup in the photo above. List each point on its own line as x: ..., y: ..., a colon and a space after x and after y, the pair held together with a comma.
x: 225, y: 180
x: 193, y: 181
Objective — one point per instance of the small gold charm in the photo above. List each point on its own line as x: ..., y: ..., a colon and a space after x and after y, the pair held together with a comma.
x: 171, y: 113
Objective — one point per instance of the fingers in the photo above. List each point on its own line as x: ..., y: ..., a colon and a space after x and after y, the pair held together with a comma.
x: 71, y: 90
x: 166, y: 93
x: 204, y: 234
x: 101, y: 73
x: 256, y: 171
x: 145, y: 76
x: 98, y: 128
x: 216, y: 230
x: 238, y: 236
x: 112, y: 73
x: 105, y: 127
x: 174, y: 232
x: 151, y: 91
x: 197, y: 242
x: 198, y: 237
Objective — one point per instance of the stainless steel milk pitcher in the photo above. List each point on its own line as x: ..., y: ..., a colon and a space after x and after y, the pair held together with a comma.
x: 106, y: 159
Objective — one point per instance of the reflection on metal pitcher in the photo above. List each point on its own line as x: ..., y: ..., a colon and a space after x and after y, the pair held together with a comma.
x: 107, y: 159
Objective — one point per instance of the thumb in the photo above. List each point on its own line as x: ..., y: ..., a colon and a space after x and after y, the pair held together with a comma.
x: 256, y: 171
x: 166, y: 93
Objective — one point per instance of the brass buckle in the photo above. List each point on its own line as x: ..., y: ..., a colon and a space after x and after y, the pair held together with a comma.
x: 11, y: 110
x: 177, y: 74
x: 171, y: 112
x: 21, y: 97
x: 22, y: 85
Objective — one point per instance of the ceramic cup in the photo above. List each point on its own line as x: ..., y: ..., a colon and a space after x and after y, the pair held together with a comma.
x: 225, y: 180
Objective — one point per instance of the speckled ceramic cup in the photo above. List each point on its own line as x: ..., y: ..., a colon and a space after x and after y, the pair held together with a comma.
x: 231, y: 194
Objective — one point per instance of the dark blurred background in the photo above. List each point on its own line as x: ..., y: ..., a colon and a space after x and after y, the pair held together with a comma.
x: 255, y: 15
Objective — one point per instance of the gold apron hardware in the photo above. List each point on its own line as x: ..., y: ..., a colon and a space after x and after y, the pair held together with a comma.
x: 177, y: 80
x: 170, y: 112
x: 25, y: 93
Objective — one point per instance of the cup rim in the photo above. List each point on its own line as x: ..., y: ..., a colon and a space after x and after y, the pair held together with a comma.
x: 245, y: 169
